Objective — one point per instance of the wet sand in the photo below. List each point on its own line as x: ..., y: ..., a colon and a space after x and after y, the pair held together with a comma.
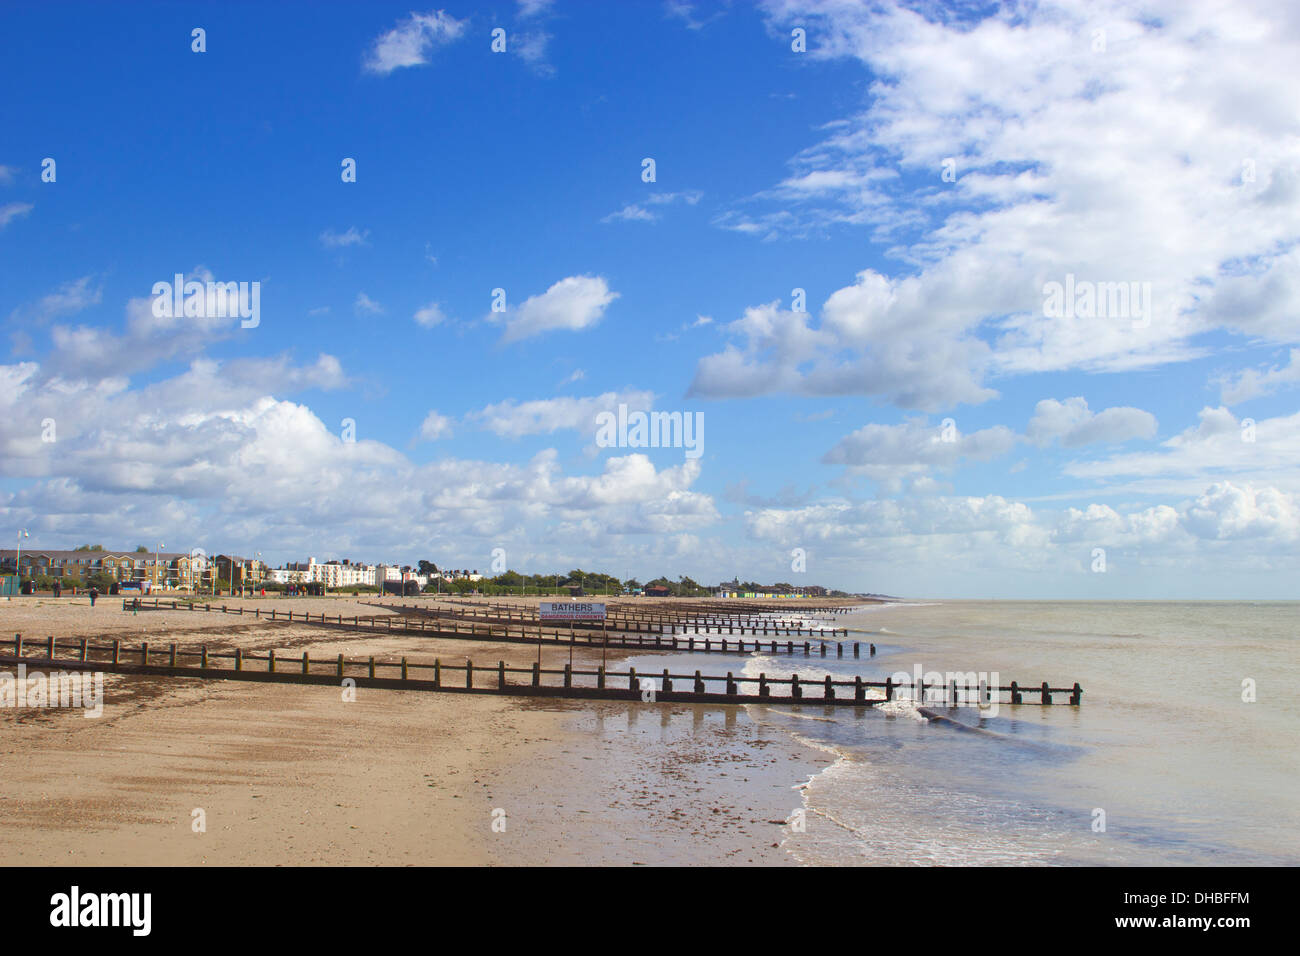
x: 294, y: 775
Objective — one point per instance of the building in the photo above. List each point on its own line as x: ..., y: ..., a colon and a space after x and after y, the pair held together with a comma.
x: 167, y: 570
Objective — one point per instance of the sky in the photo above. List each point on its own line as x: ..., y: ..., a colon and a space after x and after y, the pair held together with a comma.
x: 962, y: 300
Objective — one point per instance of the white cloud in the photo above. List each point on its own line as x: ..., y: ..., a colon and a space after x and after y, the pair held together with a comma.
x: 1252, y: 383
x: 435, y: 426
x: 70, y: 298
x: 1068, y: 162
x: 1073, y: 424
x: 430, y: 315
x: 512, y: 419
x: 365, y: 304
x: 411, y: 41
x: 572, y: 304
x: 892, y: 452
x: 14, y: 210
x: 332, y: 239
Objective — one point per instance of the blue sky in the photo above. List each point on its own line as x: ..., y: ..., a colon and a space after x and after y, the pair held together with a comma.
x: 924, y: 427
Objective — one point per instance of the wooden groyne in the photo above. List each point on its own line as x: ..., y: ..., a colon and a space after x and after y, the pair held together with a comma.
x: 171, y: 661
x: 516, y: 614
x: 520, y: 633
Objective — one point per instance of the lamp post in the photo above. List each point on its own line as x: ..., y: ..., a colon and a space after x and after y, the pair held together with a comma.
x: 18, y: 558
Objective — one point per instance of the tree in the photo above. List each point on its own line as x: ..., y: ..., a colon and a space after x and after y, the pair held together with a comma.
x: 91, y: 547
x: 141, y: 549
x: 427, y: 567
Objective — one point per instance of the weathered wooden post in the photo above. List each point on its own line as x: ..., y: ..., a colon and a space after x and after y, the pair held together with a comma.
x: 731, y: 685
x: 270, y: 661
x: 404, y: 669
x: 855, y: 649
x: 306, y: 663
x: 795, y: 690
x: 859, y: 692
x: 1076, y: 696
x: 699, y: 683
x: 469, y: 673
x: 1015, y: 692
x: 667, y: 682
x: 437, y: 672
x: 873, y: 650
x: 568, y: 675
x: 691, y: 644
x: 501, y: 675
x: 1047, y: 697
x: 889, y: 688
x: 372, y: 665
x: 631, y: 679
x: 763, y: 689
x: 171, y: 658
x: 117, y: 648
x: 789, y: 647
x: 823, y: 643
x: 239, y: 659
x: 537, y: 675
x: 85, y: 645
x: 600, y: 677
x: 839, y: 650
x: 954, y: 692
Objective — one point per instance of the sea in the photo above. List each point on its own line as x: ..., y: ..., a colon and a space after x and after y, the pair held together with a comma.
x: 1183, y: 751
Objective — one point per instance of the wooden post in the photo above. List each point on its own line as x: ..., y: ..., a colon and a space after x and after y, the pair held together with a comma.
x: 731, y: 685
x: 823, y: 648
x: 171, y: 659
x: 667, y: 682
x: 806, y: 647
x: 501, y: 675
x: 437, y: 672
x: 699, y: 684
x: 270, y: 661
x: 1047, y: 698
x: 372, y: 665
x: 469, y: 673
x: 889, y: 688
x: 1076, y: 696
x: 859, y: 692
x: 537, y: 675
x: 49, y: 647
x: 203, y: 657
x: 117, y: 647
x: 795, y: 690
x: 1015, y: 693
x: 84, y: 648
x: 690, y: 641
x: 239, y: 659
x: 855, y: 649
x: 600, y: 677
x: 763, y: 690
x: 306, y: 663
x: 954, y: 693
x: 830, y: 688
x: 568, y: 675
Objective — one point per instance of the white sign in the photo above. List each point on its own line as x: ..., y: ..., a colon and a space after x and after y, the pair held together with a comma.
x: 570, y: 611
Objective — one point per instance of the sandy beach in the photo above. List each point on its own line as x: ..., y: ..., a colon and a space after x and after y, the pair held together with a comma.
x: 294, y: 775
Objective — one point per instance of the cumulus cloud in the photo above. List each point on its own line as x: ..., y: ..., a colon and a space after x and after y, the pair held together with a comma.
x: 891, y: 452
x: 572, y: 304
x: 1068, y: 161
x: 1073, y: 424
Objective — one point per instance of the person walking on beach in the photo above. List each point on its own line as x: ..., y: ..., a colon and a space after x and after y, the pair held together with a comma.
x: 94, y: 593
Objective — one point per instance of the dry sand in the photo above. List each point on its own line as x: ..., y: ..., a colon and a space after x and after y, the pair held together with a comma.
x: 293, y: 775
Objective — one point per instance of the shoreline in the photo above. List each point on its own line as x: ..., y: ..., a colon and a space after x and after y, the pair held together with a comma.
x: 292, y: 775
